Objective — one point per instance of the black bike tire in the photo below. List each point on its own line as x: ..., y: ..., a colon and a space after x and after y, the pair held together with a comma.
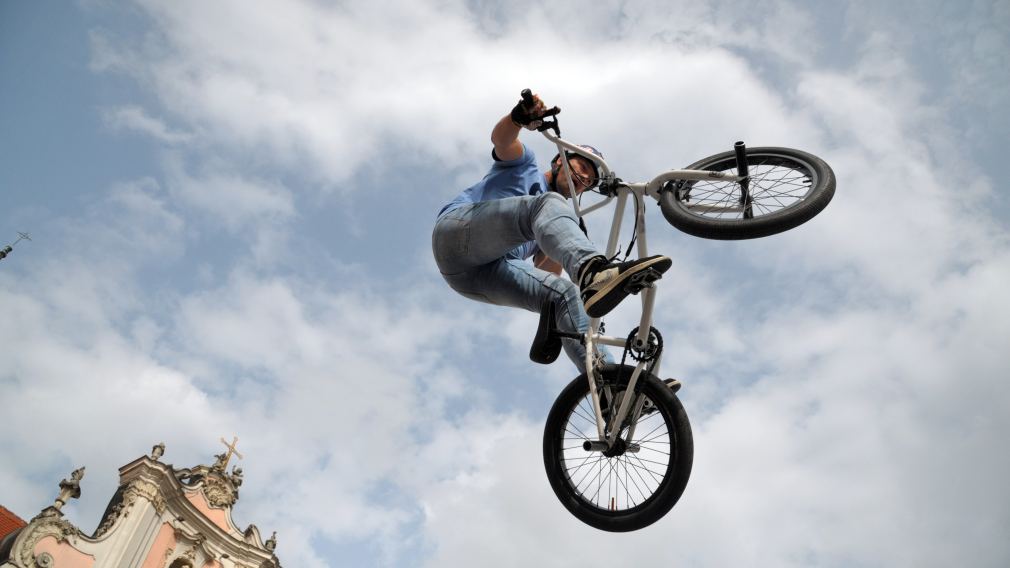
x: 678, y: 470
x: 763, y: 225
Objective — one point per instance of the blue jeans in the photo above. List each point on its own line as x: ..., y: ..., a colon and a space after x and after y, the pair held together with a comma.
x: 472, y: 244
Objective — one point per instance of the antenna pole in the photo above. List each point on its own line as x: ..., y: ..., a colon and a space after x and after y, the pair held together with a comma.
x: 10, y: 248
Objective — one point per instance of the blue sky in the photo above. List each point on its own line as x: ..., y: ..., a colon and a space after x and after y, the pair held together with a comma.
x: 231, y: 205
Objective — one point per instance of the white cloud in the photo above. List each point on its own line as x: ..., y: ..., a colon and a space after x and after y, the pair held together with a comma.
x: 136, y: 118
x: 236, y: 200
x: 320, y: 88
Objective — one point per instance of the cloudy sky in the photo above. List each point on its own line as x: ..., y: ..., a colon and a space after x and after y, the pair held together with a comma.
x: 231, y: 205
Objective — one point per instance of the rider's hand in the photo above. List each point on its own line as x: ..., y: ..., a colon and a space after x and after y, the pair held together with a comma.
x: 529, y: 116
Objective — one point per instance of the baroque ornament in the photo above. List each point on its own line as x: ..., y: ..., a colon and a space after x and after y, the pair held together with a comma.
x: 219, y: 492
x: 70, y: 489
x: 48, y: 523
x: 121, y: 510
x: 114, y: 515
x: 147, y: 490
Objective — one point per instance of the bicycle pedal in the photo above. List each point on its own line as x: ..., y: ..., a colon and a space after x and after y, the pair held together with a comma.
x: 644, y: 279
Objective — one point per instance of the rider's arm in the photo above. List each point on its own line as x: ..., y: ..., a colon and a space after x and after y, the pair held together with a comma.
x: 505, y: 135
x: 544, y: 262
x: 505, y: 138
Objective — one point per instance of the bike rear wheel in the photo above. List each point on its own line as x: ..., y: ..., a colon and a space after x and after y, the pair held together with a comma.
x: 787, y: 188
x: 635, y: 488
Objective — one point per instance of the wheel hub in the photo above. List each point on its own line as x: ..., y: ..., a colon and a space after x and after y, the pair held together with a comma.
x: 617, y: 449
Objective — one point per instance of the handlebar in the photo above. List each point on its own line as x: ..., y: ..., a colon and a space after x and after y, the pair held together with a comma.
x: 529, y: 104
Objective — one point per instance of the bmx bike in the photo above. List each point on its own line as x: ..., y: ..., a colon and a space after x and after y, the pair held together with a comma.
x: 617, y: 445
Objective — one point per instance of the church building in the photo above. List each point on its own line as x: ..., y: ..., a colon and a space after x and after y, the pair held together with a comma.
x: 160, y: 517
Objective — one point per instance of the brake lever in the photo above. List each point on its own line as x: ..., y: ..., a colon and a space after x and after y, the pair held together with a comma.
x: 550, y: 124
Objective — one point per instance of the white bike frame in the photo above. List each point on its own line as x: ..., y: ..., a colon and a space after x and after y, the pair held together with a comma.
x: 593, y: 337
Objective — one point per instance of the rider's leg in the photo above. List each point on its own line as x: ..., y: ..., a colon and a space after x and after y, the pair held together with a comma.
x: 516, y: 283
x: 478, y: 233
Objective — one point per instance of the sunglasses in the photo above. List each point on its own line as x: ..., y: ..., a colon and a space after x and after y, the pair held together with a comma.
x: 587, y: 182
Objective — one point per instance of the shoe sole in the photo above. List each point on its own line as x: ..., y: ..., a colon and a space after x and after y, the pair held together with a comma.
x: 630, y: 282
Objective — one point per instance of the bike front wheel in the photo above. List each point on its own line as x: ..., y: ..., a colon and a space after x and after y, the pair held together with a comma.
x: 787, y: 188
x: 629, y: 487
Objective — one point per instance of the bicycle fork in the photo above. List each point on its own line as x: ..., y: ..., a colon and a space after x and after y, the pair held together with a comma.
x: 633, y: 404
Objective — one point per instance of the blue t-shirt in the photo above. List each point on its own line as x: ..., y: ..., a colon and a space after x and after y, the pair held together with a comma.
x: 506, y: 179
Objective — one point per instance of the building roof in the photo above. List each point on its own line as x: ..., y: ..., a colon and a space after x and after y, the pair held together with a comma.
x: 190, y: 507
x: 9, y: 522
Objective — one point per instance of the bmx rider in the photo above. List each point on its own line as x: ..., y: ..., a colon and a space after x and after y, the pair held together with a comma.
x: 483, y: 238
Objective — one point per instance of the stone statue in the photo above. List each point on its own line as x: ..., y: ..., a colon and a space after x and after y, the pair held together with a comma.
x: 158, y: 451
x: 236, y: 476
x: 220, y: 463
x: 70, y: 489
x: 271, y: 542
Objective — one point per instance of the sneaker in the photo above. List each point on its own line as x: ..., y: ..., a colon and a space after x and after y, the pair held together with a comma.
x: 604, y: 284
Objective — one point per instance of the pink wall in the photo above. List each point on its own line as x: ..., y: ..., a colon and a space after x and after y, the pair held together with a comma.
x: 64, y: 555
x: 217, y: 516
x: 164, y: 541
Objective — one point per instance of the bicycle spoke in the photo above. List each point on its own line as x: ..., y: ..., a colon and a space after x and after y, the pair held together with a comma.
x: 584, y: 417
x: 575, y: 469
x: 653, y: 430
x: 610, y: 470
x: 595, y: 477
x: 657, y: 451
x: 651, y: 461
x: 586, y: 411
x: 653, y: 439
x: 599, y: 485
x: 648, y: 463
x: 767, y: 192
x: 580, y: 435
x: 652, y: 473
x: 633, y: 482
x: 622, y: 483
x: 653, y: 416
x: 638, y: 472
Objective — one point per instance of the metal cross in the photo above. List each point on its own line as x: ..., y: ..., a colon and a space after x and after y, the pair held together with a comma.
x: 231, y: 450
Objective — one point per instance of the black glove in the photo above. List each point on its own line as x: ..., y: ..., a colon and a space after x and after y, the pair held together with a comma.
x: 526, y: 115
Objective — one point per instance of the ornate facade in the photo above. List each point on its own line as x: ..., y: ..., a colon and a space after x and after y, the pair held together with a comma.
x: 160, y: 517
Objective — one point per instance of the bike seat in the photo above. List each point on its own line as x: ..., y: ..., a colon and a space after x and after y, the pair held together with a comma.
x: 547, y: 343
